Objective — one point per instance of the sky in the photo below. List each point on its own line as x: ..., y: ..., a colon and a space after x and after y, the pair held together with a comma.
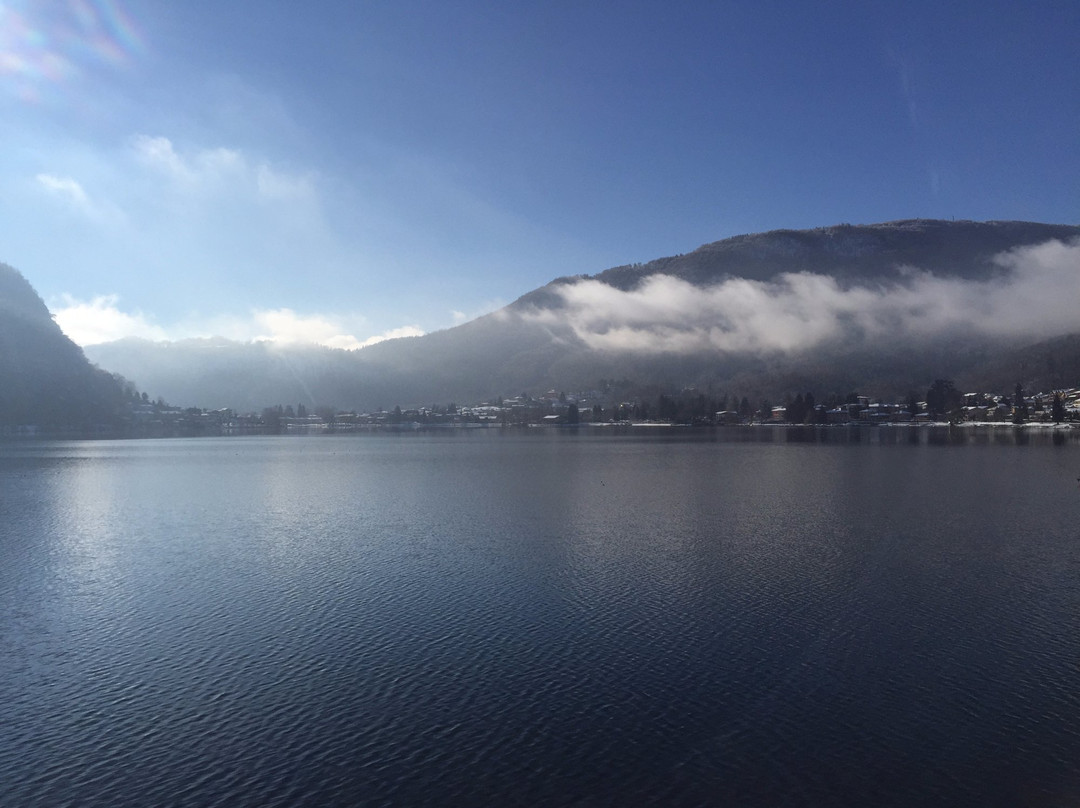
x: 342, y: 172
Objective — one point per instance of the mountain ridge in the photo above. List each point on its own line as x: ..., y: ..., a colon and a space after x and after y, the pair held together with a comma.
x: 763, y: 256
x: 874, y: 281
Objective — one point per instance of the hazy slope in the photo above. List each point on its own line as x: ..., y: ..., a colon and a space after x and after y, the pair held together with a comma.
x: 45, y: 379
x: 882, y: 308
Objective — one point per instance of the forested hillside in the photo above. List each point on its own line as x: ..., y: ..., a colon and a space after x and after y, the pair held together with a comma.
x: 45, y: 379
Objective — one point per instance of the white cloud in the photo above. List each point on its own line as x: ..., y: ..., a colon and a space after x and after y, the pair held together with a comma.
x: 393, y: 333
x: 206, y: 166
x: 487, y: 307
x: 158, y: 153
x: 100, y: 320
x: 72, y: 194
x: 1036, y: 298
x: 65, y: 187
x: 277, y: 186
x: 223, y: 168
x: 214, y: 163
x: 286, y: 327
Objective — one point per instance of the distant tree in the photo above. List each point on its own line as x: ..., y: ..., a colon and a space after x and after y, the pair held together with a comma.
x: 301, y: 411
x: 798, y: 409
x: 666, y: 409
x: 935, y: 397
x: 271, y: 418
x: 745, y: 410
x: 696, y: 410
x: 1057, y: 409
x: 572, y: 414
x: 943, y: 397
x: 1020, y: 410
x: 912, y: 405
x: 793, y: 408
x: 130, y: 393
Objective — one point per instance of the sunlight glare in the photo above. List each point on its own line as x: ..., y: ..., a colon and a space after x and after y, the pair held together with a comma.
x: 46, y: 44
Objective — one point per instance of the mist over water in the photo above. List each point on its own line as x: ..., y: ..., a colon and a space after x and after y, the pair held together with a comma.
x: 796, y: 616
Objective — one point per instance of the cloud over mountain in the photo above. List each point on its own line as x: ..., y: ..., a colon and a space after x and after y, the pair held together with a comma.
x: 883, y: 309
x: 1033, y: 296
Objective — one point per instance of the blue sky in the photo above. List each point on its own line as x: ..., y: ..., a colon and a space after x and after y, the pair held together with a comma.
x: 340, y: 171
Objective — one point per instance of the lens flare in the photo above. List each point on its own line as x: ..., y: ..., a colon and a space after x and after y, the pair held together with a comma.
x: 46, y: 45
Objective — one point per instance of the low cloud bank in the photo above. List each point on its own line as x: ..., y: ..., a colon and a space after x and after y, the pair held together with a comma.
x: 102, y: 320
x: 1036, y: 297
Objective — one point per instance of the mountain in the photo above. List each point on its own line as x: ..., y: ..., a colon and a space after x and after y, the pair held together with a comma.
x: 45, y: 379
x: 883, y: 308
x: 963, y: 249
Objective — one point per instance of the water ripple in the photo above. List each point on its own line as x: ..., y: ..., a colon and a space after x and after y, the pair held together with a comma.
x: 475, y: 623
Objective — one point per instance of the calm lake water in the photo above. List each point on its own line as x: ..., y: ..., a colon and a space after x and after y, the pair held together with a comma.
x: 738, y: 617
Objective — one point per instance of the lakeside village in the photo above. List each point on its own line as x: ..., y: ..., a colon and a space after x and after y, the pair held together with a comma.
x: 943, y: 405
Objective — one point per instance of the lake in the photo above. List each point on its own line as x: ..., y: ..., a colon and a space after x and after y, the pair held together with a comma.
x: 548, y: 617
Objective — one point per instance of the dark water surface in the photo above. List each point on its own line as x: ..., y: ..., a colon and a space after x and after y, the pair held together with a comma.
x: 541, y: 618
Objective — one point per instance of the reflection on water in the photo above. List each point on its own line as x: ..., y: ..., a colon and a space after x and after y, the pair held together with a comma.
x: 774, y: 615
x: 935, y: 435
